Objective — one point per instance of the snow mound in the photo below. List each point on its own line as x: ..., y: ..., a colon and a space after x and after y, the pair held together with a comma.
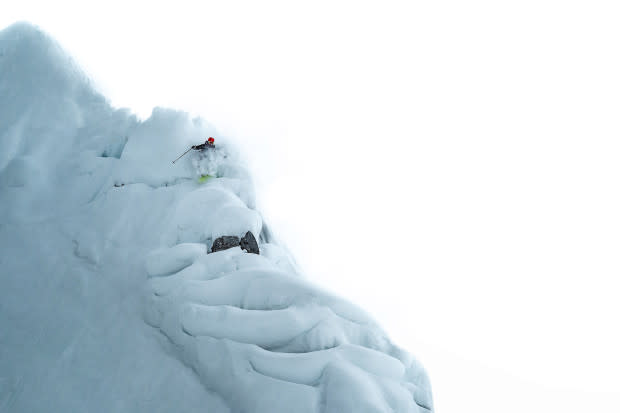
x: 280, y: 334
x: 109, y: 299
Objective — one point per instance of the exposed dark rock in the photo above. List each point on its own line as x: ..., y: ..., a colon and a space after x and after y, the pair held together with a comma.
x: 225, y: 242
x: 249, y: 244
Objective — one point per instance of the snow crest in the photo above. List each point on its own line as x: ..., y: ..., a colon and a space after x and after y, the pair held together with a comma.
x: 288, y: 345
x: 121, y: 238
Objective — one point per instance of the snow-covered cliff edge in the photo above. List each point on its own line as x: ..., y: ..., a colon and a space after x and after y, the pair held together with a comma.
x: 109, y: 300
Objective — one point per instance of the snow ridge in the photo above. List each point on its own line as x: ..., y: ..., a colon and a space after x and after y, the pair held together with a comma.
x: 279, y: 333
x: 131, y: 231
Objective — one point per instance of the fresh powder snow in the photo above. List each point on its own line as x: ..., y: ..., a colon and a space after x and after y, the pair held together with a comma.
x: 110, y: 297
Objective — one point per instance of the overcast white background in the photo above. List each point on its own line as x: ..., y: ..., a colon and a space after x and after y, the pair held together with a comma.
x: 450, y: 166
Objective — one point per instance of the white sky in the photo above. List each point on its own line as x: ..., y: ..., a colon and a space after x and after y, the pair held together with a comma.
x: 452, y: 168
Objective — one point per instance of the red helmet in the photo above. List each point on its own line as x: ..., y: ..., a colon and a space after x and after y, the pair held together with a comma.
x: 211, y: 140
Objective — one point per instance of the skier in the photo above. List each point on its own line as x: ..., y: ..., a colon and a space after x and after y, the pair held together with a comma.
x: 205, y: 160
x: 209, y: 144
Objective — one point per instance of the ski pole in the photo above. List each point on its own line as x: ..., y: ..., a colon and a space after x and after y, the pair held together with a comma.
x: 183, y: 154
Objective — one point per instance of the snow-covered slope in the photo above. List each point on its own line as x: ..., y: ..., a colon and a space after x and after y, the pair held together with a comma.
x: 109, y: 300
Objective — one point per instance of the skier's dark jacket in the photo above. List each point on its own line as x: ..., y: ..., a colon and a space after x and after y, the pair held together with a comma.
x: 203, y: 146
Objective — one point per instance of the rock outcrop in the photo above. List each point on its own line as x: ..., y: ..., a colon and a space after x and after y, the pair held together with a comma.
x: 248, y: 243
x: 225, y: 242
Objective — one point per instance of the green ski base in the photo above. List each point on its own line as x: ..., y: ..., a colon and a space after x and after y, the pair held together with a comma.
x: 204, y: 178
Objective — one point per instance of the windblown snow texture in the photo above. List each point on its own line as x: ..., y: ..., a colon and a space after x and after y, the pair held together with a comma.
x: 108, y: 298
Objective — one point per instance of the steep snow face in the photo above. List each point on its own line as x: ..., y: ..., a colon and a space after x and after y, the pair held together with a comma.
x: 109, y: 297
